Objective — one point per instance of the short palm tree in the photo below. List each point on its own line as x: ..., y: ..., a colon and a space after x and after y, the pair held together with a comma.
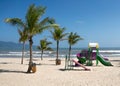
x: 23, y: 38
x: 58, y: 34
x: 73, y: 38
x: 20, y: 24
x: 32, y: 25
x: 44, y: 45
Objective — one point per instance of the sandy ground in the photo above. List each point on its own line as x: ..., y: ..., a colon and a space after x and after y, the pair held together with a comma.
x: 12, y: 73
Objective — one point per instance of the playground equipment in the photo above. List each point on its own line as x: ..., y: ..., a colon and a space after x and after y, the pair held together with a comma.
x: 69, y: 64
x: 87, y: 56
x: 84, y: 54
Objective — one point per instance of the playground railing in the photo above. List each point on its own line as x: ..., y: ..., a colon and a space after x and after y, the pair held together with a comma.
x: 68, y: 63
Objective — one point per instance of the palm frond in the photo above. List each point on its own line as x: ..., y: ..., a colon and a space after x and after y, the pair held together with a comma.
x: 73, y: 38
x: 23, y: 35
x: 15, y: 21
x: 44, y: 21
x: 49, y: 48
x: 58, y: 33
x: 44, y: 45
x: 33, y: 15
x: 51, y: 20
x: 38, y: 47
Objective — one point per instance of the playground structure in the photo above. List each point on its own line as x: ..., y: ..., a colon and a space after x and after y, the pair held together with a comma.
x: 69, y: 64
x: 86, y: 57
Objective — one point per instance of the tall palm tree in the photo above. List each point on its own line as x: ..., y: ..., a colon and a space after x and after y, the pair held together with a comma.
x: 73, y: 38
x: 23, y: 38
x: 32, y: 25
x: 44, y: 45
x: 58, y: 34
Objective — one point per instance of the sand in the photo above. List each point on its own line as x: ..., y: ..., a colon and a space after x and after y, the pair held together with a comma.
x: 12, y: 73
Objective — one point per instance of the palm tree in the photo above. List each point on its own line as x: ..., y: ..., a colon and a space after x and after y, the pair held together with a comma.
x: 73, y: 38
x: 58, y: 34
x: 23, y: 38
x: 32, y: 25
x: 44, y: 45
x: 19, y: 23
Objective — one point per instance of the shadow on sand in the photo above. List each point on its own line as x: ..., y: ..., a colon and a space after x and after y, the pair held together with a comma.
x: 45, y: 64
x: 6, y: 63
x: 11, y: 71
x: 115, y: 60
x: 72, y: 70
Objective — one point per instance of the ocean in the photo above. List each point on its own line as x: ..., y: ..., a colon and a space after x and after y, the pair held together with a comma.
x: 106, y: 52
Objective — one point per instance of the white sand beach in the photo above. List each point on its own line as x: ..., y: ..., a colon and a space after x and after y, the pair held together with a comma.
x: 12, y: 73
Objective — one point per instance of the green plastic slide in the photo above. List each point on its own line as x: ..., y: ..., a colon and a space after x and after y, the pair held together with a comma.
x: 82, y: 60
x: 104, y: 62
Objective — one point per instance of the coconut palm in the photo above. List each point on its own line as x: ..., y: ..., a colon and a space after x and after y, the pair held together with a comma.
x: 23, y: 38
x: 58, y: 34
x: 44, y: 45
x: 20, y: 24
x: 73, y: 38
x: 32, y: 25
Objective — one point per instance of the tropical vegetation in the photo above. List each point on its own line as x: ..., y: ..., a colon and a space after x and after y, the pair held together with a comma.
x: 73, y: 38
x: 58, y: 34
x: 44, y: 45
x: 23, y: 38
x: 32, y: 25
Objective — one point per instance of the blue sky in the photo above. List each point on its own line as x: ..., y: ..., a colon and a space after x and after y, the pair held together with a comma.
x: 94, y: 20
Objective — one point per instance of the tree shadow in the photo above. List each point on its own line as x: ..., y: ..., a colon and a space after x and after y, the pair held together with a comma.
x: 11, y: 71
x: 46, y: 64
x: 115, y: 60
x: 5, y: 63
x: 73, y: 70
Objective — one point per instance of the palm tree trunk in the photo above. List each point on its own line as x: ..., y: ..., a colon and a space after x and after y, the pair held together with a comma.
x: 57, y: 49
x: 41, y: 55
x: 58, y: 62
x: 30, y: 61
x: 69, y: 51
x: 23, y: 52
